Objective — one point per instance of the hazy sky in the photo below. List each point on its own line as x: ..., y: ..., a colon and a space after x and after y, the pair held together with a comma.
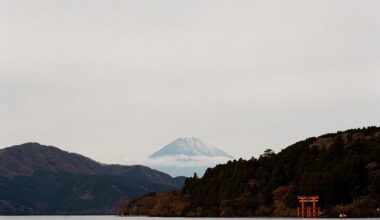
x: 117, y: 80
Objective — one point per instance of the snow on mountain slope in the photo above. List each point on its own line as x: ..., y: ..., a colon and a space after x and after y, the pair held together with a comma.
x: 184, y: 156
x: 190, y: 147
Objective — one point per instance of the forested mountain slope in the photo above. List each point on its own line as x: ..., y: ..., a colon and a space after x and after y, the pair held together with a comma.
x: 342, y: 168
x: 38, y: 179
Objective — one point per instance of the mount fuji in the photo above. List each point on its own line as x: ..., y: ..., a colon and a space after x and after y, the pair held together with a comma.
x: 186, y: 156
x: 192, y: 147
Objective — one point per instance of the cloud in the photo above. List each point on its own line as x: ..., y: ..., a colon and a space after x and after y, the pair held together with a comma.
x: 181, y: 165
x: 180, y: 161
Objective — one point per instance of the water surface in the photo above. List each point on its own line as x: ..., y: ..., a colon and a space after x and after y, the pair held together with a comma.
x: 109, y: 217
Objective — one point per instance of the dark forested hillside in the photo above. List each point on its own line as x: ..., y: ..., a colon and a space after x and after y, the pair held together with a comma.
x: 342, y: 168
x: 25, y: 159
x: 66, y: 193
x: 38, y: 179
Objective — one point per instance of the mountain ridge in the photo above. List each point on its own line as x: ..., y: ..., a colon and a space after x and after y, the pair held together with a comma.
x: 24, y: 159
x: 190, y: 146
x: 186, y: 156
x: 40, y: 179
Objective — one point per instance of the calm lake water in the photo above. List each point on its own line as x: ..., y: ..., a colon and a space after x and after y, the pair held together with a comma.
x: 103, y: 218
x: 115, y: 217
x: 112, y: 218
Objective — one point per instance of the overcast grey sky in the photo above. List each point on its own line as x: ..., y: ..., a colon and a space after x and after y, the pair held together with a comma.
x: 116, y: 80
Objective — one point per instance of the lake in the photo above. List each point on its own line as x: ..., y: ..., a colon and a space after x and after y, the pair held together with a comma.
x: 108, y: 217
x: 105, y: 217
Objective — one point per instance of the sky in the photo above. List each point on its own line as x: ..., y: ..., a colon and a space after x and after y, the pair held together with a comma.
x: 117, y: 80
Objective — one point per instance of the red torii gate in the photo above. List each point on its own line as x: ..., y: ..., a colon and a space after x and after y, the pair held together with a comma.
x: 308, y: 211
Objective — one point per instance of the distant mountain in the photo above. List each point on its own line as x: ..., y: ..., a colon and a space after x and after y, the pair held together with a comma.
x: 190, y: 147
x: 342, y: 168
x: 38, y: 179
x: 186, y: 156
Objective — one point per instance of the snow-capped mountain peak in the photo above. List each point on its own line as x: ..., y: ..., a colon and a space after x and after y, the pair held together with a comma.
x: 189, y: 147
